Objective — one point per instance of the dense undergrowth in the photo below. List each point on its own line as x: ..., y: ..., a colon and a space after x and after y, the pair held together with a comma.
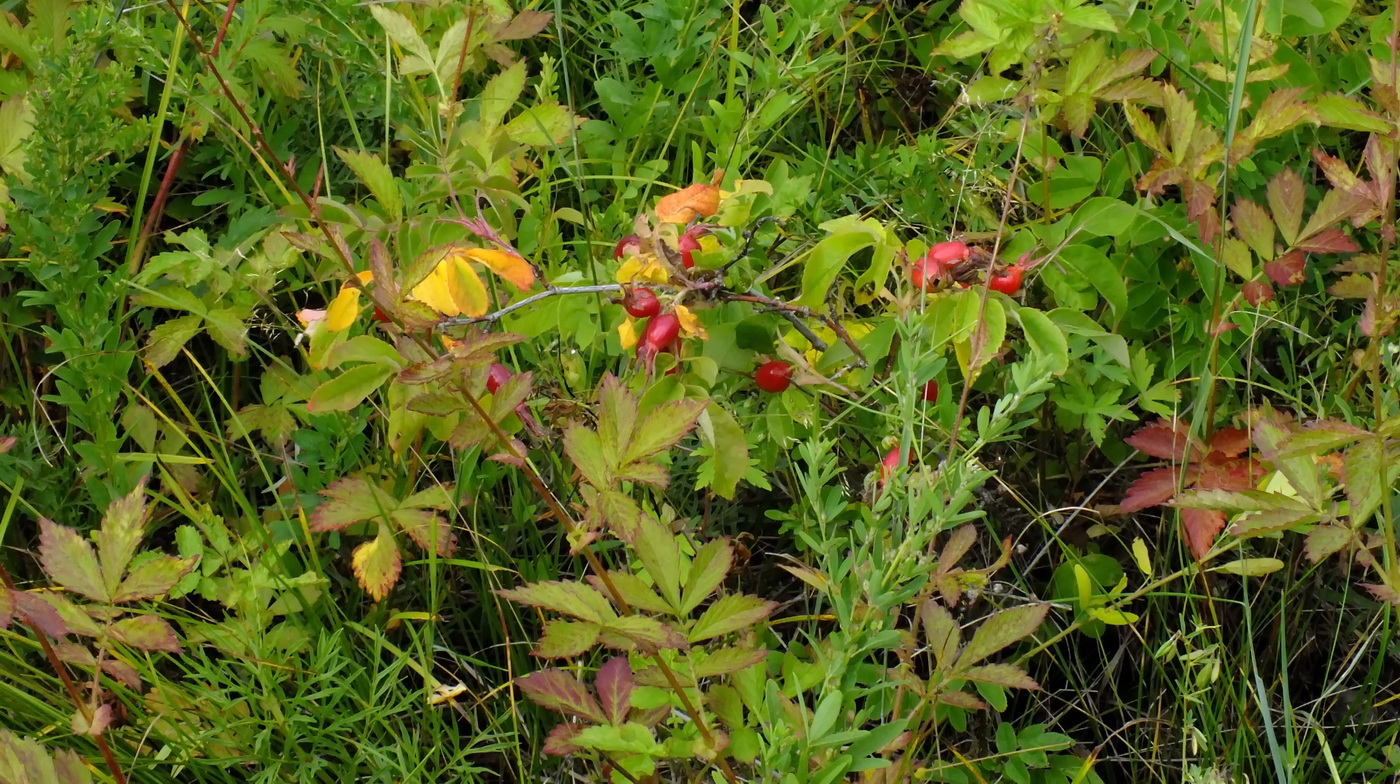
x: 679, y: 391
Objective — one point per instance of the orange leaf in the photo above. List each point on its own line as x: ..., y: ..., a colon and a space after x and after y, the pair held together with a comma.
x: 698, y: 200
x: 505, y: 264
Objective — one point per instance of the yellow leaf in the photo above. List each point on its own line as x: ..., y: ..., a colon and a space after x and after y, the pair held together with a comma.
x: 506, y: 264
x: 627, y: 333
x: 642, y: 268
x: 1144, y: 562
x: 376, y: 564
x: 434, y: 291
x: 343, y: 310
x: 697, y: 201
x: 467, y: 289
x: 690, y: 325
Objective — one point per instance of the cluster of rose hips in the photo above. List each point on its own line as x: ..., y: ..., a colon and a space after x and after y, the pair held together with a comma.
x: 944, y: 264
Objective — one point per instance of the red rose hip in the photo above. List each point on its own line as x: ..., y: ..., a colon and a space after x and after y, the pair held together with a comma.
x: 1009, y: 282
x: 641, y: 303
x: 498, y: 375
x: 775, y: 376
x: 627, y: 245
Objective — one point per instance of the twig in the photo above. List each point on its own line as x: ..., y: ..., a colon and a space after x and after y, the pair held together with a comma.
x: 530, y: 300
x: 777, y: 306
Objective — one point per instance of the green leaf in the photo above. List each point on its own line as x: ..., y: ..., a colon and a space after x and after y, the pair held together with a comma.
x: 365, y: 348
x: 725, y: 661
x: 1365, y: 485
x: 640, y: 632
x: 542, y: 126
x: 146, y: 633
x: 1341, y: 111
x: 825, y: 262
x: 164, y: 342
x: 1002, y: 629
x: 401, y: 31
x: 566, y: 639
x: 1325, y: 540
x: 662, y: 428
x: 707, y: 571
x: 1250, y: 567
x: 352, y: 500
x: 638, y: 595
x: 226, y: 327
x: 730, y: 614
x: 1103, y: 216
x: 1045, y: 339
x: 987, y: 336
x: 656, y: 546
x: 349, y: 389
x: 120, y: 533
x: 941, y: 632
x: 376, y: 176
x: 153, y: 579
x: 586, y: 450
x: 500, y: 94
x: 69, y: 560
x: 729, y: 449
x: 1093, y: 265
x: 566, y: 598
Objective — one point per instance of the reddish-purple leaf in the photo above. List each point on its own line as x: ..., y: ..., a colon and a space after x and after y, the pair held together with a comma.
x: 1001, y: 675
x: 1285, y: 196
x: 1382, y: 593
x: 1000, y: 630
x: 961, y: 699
x: 559, y: 691
x: 122, y: 672
x: 1287, y: 270
x: 1331, y: 240
x: 730, y: 614
x: 559, y: 742
x: 100, y: 721
x: 1200, y: 527
x: 1254, y: 226
x: 941, y: 632
x: 615, y: 684
x: 1161, y: 439
x: 145, y: 632
x: 1200, y: 208
x: 1258, y: 292
x: 69, y: 560
x: 1153, y: 488
x: 39, y: 614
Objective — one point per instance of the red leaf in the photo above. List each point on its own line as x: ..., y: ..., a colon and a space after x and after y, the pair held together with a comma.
x: 38, y: 614
x: 614, y: 685
x: 562, y: 692
x: 1161, y: 439
x: 1336, y: 171
x: 1153, y: 488
x: 1200, y: 527
x: 1258, y: 292
x: 1331, y: 240
x: 560, y: 741
x: 1287, y: 270
x: 1229, y: 442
